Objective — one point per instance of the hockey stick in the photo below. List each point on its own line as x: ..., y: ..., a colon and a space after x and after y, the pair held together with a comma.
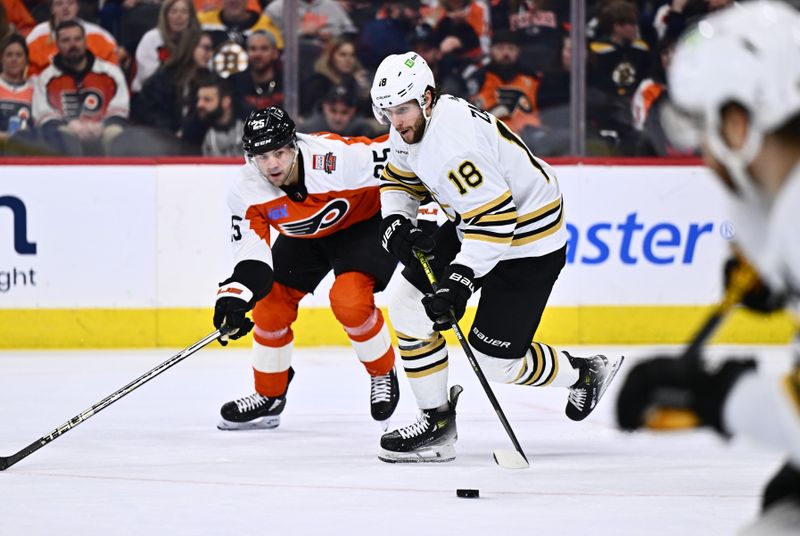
x: 506, y: 458
x: 8, y: 461
x: 673, y: 415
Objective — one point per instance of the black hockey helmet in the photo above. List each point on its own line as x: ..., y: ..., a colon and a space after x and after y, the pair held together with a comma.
x: 266, y: 130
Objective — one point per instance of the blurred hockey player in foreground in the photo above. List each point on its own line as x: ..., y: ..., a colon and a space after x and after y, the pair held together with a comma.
x: 320, y: 193
x: 506, y: 235
x: 735, y: 83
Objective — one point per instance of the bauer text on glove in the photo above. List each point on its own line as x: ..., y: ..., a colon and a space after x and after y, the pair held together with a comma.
x: 453, y: 291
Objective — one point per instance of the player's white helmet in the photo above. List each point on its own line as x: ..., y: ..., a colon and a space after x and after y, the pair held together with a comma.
x: 400, y: 78
x: 747, y: 54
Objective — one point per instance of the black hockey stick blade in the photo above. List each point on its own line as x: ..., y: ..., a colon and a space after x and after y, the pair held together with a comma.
x: 8, y: 461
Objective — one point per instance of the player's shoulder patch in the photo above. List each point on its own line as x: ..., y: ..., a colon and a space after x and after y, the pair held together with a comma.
x: 324, y: 162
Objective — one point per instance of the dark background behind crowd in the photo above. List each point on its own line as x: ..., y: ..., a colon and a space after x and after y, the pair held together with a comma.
x: 177, y: 77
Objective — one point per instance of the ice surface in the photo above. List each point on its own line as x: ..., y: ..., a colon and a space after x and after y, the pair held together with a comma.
x: 154, y: 463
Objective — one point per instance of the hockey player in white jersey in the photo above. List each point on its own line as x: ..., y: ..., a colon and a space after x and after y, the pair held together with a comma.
x: 321, y: 194
x: 505, y: 235
x: 735, y: 92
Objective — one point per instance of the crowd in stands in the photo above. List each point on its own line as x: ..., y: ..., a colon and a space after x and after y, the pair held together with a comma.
x: 177, y: 77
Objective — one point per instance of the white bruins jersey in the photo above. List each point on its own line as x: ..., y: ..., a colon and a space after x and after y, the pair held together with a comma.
x: 506, y: 203
x: 338, y: 188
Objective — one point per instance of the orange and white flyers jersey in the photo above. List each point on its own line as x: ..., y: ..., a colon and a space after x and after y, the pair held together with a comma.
x: 42, y: 46
x: 15, y: 101
x: 338, y: 188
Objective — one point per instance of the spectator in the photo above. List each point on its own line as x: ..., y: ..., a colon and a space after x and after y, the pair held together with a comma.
x: 361, y: 12
x: 319, y: 21
x: 553, y: 99
x: 230, y: 27
x: 388, y: 34
x: 647, y: 104
x: 461, y: 27
x: 217, y: 110
x: 201, y: 6
x: 538, y: 25
x: 79, y: 94
x: 338, y: 115
x: 176, y: 35
x: 672, y: 18
x: 506, y: 89
x: 6, y: 28
x: 16, y: 93
x: 336, y: 65
x: 15, y: 13
x: 450, y: 76
x: 618, y: 61
x: 42, y: 46
x: 168, y: 96
x: 261, y: 84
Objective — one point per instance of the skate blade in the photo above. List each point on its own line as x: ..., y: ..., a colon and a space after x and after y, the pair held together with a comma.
x: 427, y: 455
x: 384, y: 424
x: 510, y: 459
x: 261, y: 423
x: 611, y: 374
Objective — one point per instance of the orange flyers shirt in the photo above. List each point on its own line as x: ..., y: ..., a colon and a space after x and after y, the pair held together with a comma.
x: 42, y: 46
x: 15, y: 101
x: 340, y: 187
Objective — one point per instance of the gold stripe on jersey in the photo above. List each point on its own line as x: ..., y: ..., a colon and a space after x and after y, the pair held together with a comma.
x: 540, y: 213
x: 491, y: 206
x: 399, y: 187
x: 520, y: 239
x: 427, y: 370
x: 399, y: 173
x: 489, y: 236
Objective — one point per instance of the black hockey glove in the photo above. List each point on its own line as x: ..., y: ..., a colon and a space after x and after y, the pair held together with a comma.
x: 670, y: 383
x: 453, y: 291
x: 235, y: 298
x: 401, y: 238
x: 759, y: 297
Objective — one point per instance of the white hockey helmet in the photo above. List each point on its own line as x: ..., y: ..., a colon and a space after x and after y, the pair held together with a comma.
x: 747, y: 54
x: 400, y: 78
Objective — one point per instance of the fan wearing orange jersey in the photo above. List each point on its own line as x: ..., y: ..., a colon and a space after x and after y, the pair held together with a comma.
x: 16, y: 93
x: 320, y: 196
x: 42, y: 42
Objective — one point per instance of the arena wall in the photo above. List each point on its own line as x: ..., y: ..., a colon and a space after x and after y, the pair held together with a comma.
x: 128, y: 253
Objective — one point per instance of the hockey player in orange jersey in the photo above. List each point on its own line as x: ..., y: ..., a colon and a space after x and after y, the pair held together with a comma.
x: 321, y: 194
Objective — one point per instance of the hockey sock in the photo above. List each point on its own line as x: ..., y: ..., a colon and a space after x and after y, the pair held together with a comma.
x: 426, y: 366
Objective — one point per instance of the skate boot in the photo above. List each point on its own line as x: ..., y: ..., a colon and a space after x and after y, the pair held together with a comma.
x: 253, y: 412
x: 384, y: 393
x: 595, y: 375
x: 430, y: 439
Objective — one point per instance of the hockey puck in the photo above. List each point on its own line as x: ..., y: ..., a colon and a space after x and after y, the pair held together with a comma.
x: 468, y: 493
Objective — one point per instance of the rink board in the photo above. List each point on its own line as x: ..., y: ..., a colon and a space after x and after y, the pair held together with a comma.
x: 130, y: 256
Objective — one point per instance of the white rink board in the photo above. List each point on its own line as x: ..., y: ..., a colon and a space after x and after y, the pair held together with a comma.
x: 94, y: 231
x: 158, y: 236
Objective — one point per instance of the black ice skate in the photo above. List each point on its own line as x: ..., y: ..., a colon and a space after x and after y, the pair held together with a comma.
x: 254, y: 412
x: 595, y: 375
x: 431, y: 439
x: 384, y: 393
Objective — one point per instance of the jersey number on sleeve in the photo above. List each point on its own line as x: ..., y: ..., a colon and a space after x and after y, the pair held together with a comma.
x: 467, y: 174
x: 379, y: 160
x: 236, y: 231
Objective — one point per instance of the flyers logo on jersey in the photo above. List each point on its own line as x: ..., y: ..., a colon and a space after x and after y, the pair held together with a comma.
x: 326, y: 217
x: 325, y: 162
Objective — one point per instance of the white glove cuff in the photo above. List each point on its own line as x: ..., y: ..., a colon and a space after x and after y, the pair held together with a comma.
x: 235, y: 290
